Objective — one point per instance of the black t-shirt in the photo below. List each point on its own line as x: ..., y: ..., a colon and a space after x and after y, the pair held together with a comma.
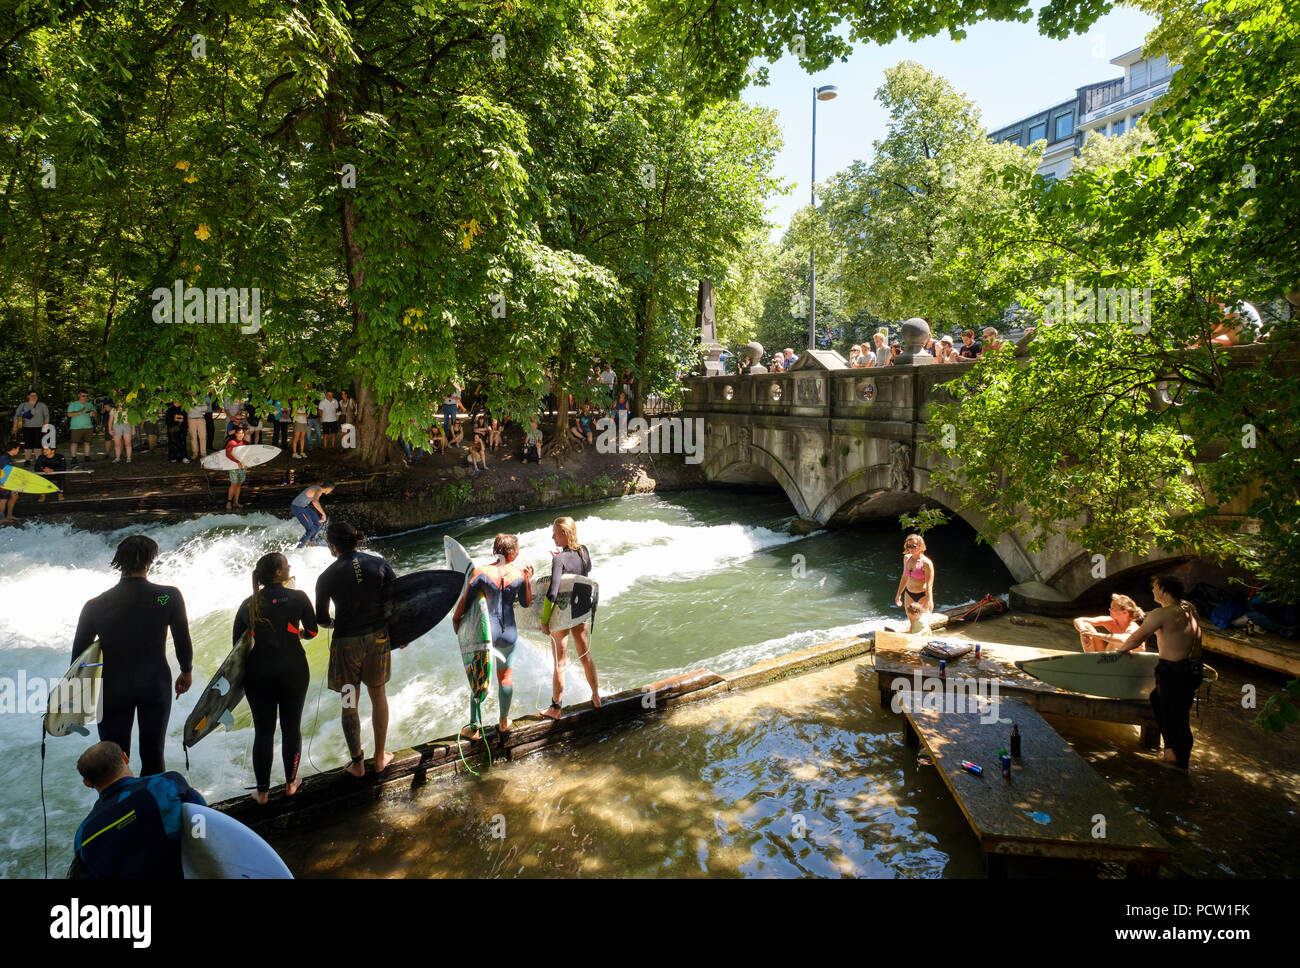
x: 174, y: 418
x: 970, y: 352
x: 355, y: 583
x: 55, y: 463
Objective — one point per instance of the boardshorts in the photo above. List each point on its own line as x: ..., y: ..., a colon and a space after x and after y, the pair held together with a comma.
x: 330, y: 427
x: 239, y: 475
x: 355, y: 659
x: 81, y: 435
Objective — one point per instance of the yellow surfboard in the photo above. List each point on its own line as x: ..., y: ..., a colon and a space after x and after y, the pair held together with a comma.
x: 16, y: 479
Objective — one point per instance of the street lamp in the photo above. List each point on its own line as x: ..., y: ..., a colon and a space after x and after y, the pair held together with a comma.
x: 827, y: 92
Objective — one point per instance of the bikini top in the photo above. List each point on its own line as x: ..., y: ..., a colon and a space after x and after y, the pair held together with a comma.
x: 917, y: 572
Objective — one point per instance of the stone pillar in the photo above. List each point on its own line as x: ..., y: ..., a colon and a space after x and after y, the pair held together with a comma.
x: 710, y: 348
x: 915, y: 332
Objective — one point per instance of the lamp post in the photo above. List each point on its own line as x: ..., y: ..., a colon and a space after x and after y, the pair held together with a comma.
x: 826, y: 92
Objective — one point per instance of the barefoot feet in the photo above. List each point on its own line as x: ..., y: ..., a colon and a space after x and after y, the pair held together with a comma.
x: 382, y: 761
x: 357, y: 767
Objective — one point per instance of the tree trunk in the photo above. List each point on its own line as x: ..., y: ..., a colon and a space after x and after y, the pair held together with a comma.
x: 373, y: 444
x: 560, y: 429
x: 645, y: 324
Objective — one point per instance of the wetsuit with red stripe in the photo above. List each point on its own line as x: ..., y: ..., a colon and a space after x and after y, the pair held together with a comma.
x: 276, y: 676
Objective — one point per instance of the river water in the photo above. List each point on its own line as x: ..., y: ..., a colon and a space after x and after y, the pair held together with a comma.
x: 803, y: 777
x: 708, y: 579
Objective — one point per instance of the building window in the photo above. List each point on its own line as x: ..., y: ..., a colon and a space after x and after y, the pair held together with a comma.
x: 1118, y: 127
x: 1014, y: 139
x: 1038, y: 132
x: 1064, y: 127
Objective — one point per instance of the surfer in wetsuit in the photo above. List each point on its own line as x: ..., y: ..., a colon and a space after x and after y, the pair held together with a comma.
x: 131, y: 620
x: 275, y: 674
x: 359, y: 651
x: 571, y: 558
x: 501, y: 584
x: 917, y: 582
x: 134, y: 829
x: 306, y: 508
x: 1179, y: 670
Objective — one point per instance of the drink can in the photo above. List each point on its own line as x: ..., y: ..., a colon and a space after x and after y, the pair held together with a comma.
x: 977, y: 650
x: 943, y: 666
x: 1006, y: 765
x: 970, y: 767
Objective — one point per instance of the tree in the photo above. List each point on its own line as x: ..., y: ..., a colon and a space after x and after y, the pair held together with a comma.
x: 911, y: 222
x: 1130, y: 430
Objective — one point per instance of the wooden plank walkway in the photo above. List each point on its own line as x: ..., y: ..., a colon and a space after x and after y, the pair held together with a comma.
x: 1263, y: 649
x: 898, y: 660
x: 1054, y: 803
x: 415, y: 766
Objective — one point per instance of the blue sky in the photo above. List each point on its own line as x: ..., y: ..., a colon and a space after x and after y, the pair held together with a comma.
x: 1008, y: 69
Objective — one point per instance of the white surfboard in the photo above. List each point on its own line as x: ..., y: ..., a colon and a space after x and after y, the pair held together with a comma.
x: 78, y: 699
x: 574, y: 605
x: 250, y: 454
x: 471, y: 634
x: 216, y: 847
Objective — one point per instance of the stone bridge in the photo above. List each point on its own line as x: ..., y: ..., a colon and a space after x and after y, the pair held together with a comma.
x: 851, y: 445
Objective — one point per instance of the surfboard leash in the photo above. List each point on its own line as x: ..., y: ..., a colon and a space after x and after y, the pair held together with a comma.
x: 45, y: 823
x: 320, y: 691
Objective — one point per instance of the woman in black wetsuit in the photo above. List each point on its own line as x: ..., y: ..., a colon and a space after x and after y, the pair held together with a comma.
x: 275, y: 676
x: 571, y: 558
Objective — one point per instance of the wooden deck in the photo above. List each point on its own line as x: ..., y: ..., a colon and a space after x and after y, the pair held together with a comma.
x: 899, y: 661
x: 1054, y: 804
x: 1263, y: 649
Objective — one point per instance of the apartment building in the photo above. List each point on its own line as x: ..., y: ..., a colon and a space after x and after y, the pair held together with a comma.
x: 1108, y: 107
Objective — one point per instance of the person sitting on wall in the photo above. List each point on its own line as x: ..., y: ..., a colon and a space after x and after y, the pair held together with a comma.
x: 1107, y: 632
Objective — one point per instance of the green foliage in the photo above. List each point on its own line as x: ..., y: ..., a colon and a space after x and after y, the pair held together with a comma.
x: 1115, y: 432
x: 923, y: 520
x: 921, y: 225
x: 1281, y: 710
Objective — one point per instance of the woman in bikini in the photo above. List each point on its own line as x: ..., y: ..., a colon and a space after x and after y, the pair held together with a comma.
x: 1107, y: 632
x: 917, y: 582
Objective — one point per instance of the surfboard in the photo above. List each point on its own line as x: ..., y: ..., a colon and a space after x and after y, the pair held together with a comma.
x: 250, y: 454
x: 458, y: 559
x: 1129, y: 676
x: 216, y: 847
x: 574, y: 604
x: 474, y: 634
x: 25, y: 482
x: 78, y: 698
x: 419, y: 601
x: 217, y: 702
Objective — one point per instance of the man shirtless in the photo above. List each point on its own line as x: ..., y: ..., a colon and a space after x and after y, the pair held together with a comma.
x: 1179, y: 671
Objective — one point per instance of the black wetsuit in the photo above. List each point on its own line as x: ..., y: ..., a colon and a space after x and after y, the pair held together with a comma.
x: 569, y: 563
x: 134, y: 830
x: 276, y: 676
x: 1171, y: 701
x: 131, y: 621
x: 355, y: 583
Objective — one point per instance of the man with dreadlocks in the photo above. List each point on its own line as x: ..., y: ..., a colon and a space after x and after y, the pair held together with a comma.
x: 131, y: 620
x: 275, y: 675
